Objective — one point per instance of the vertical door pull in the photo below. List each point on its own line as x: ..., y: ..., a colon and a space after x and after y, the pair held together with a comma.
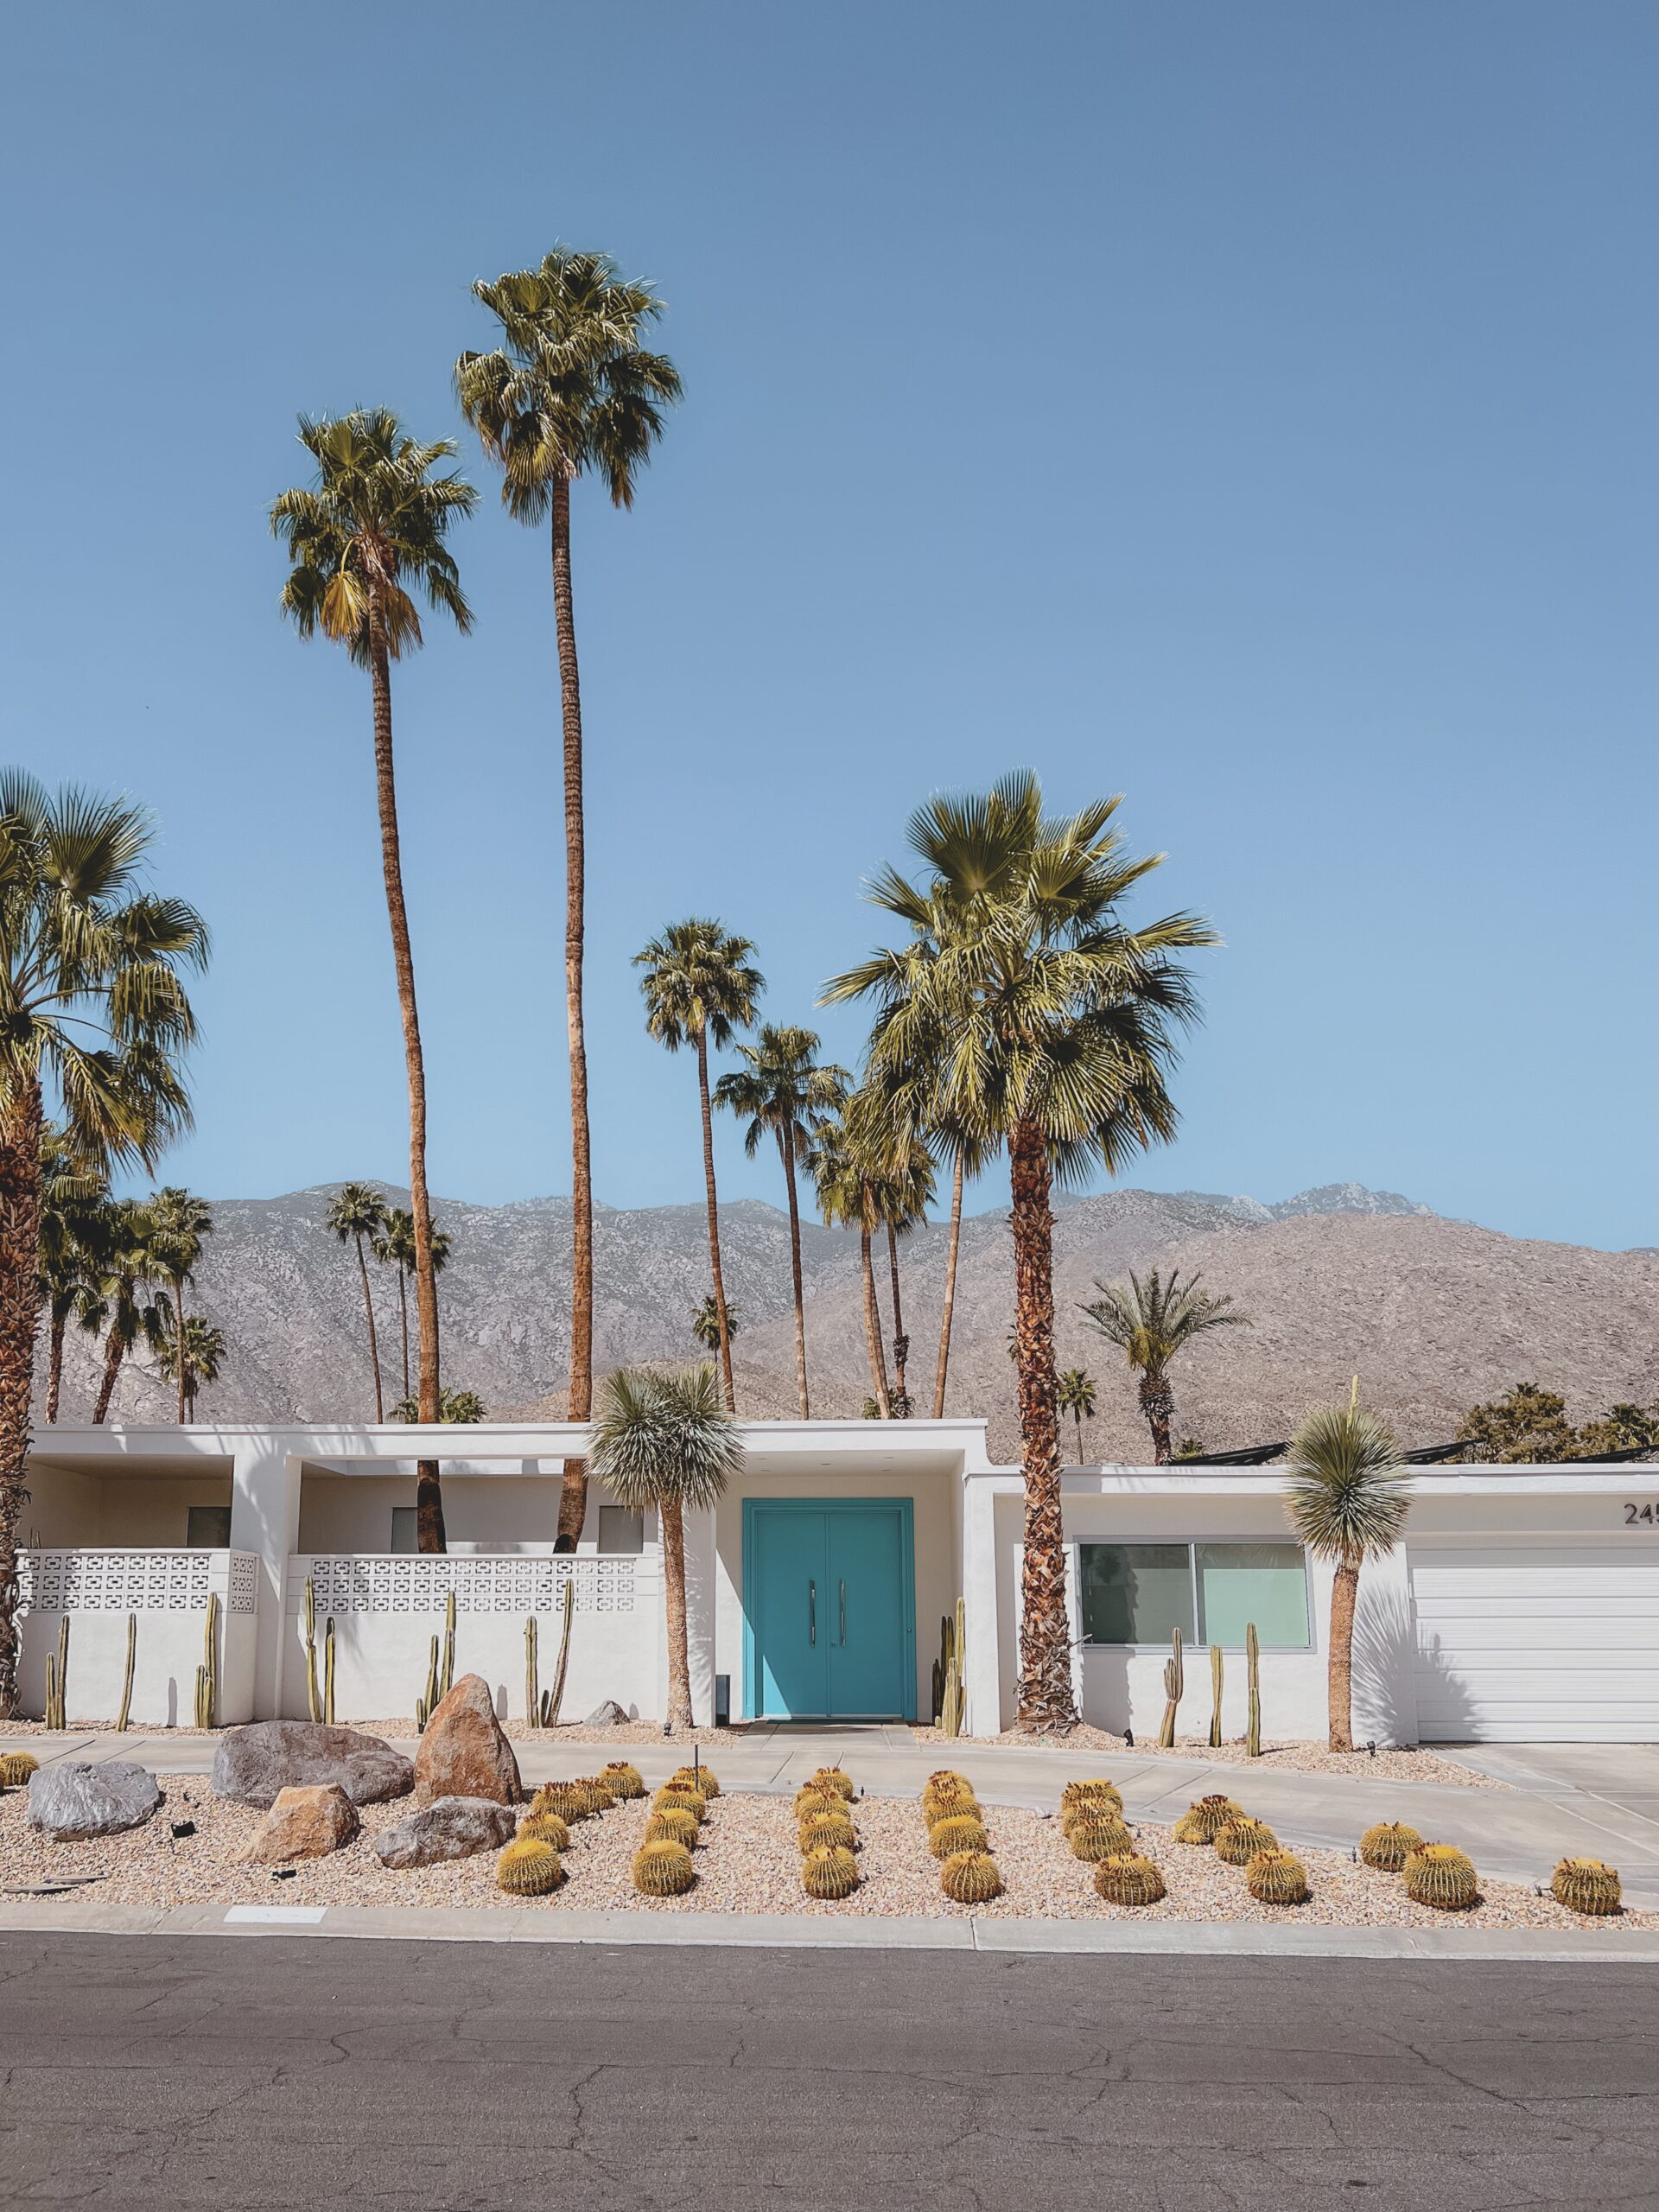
x: 812, y: 1612
x: 843, y: 1612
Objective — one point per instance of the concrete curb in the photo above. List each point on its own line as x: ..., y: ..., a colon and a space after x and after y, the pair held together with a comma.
x: 790, y: 1931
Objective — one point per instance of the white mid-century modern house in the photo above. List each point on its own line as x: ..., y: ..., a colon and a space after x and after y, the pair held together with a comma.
x: 1524, y: 1603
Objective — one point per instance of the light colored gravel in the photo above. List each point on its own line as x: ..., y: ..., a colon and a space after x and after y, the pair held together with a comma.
x: 1388, y: 1765
x: 747, y: 1862
x: 401, y: 1728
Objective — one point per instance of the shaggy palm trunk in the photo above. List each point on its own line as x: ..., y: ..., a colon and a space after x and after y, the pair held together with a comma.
x: 1158, y: 1404
x: 573, y: 1498
x: 374, y: 1341
x: 714, y: 1222
x: 901, y: 1341
x: 55, y: 1361
x: 403, y: 1319
x: 20, y: 1309
x: 786, y: 1147
x: 115, y: 1349
x: 873, y: 1326
x: 679, y: 1653
x: 951, y: 1251
x: 1344, y: 1590
x: 428, y: 1497
x: 178, y: 1346
x: 1044, y: 1694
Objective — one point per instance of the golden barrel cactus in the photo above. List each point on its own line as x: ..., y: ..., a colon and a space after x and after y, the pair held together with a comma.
x: 546, y: 1827
x: 599, y: 1799
x: 701, y: 1778
x: 1277, y: 1878
x: 15, y: 1767
x: 670, y: 1823
x: 569, y: 1800
x: 830, y: 1872
x: 1130, y: 1879
x: 527, y: 1868
x: 970, y: 1878
x: 680, y: 1797
x: 962, y: 1833
x: 1389, y: 1845
x: 824, y: 1831
x: 834, y: 1778
x: 1097, y: 1791
x: 1105, y: 1838
x: 1586, y: 1885
x: 663, y: 1868
x: 1442, y: 1876
x: 1203, y: 1822
x: 622, y: 1779
x: 810, y: 1798
x: 1239, y: 1841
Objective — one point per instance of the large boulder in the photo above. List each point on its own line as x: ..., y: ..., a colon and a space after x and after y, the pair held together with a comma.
x: 464, y: 1751
x: 255, y: 1765
x: 307, y: 1822
x: 73, y: 1800
x: 450, y: 1827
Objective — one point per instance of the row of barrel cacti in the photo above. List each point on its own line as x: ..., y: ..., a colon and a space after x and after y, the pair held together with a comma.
x: 828, y: 1838
x: 1092, y: 1821
x: 955, y: 1835
x: 1272, y: 1875
x: 1439, y: 1874
x: 532, y: 1864
x: 663, y: 1865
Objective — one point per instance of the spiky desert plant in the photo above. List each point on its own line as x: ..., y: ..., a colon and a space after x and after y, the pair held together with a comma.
x: 961, y: 1832
x: 126, y: 1679
x: 833, y: 1777
x: 673, y: 1825
x: 313, y: 1690
x: 700, y: 1778
x: 1240, y: 1840
x: 1174, y: 1684
x: 1203, y: 1822
x: 822, y: 1831
x: 939, y: 1798
x: 1105, y: 1838
x: 1389, y: 1845
x: 15, y: 1767
x: 970, y: 1877
x: 529, y: 1867
x: 622, y: 1780
x: 1130, y: 1879
x: 1253, y: 1680
x: 546, y: 1827
x: 1215, y: 1696
x: 663, y: 1868
x: 679, y: 1796
x: 1277, y: 1878
x: 831, y: 1871
x: 1586, y: 1885
x: 1098, y: 1791
x: 1442, y: 1876
x: 811, y: 1798
x: 567, y: 1799
x: 599, y: 1796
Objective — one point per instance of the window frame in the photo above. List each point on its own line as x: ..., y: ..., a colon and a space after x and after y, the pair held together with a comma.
x: 1130, y: 1543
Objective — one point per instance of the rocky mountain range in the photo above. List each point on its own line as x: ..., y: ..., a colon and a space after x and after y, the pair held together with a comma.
x: 1432, y: 1314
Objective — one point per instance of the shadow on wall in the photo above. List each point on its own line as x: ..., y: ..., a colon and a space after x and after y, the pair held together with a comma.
x: 1443, y: 1696
x: 1105, y: 1671
x: 1387, y: 1674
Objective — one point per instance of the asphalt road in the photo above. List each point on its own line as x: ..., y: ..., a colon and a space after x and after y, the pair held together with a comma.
x: 264, y: 2071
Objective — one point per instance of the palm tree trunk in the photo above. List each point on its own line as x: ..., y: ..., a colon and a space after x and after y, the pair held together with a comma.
x: 374, y: 1341
x: 873, y: 1326
x: 1344, y: 1591
x: 1158, y: 1404
x: 20, y: 1310
x: 713, y: 1221
x: 573, y: 1500
x: 55, y: 1361
x: 403, y: 1319
x: 178, y: 1342
x: 950, y: 1290
x: 428, y: 1519
x: 786, y: 1146
x: 901, y: 1341
x: 1045, y: 1699
x: 672, y: 1517
x: 114, y: 1352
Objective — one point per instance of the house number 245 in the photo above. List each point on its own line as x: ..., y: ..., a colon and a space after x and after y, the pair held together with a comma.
x: 1645, y: 1513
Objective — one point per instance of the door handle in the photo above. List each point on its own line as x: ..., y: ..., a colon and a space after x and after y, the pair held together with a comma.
x: 843, y: 1612
x: 812, y: 1612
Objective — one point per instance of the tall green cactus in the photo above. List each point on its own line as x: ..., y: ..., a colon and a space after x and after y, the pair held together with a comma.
x: 1253, y: 1670
x: 126, y: 1683
x: 57, y: 1681
x: 424, y: 1707
x: 446, y: 1682
x: 313, y: 1695
x: 328, y: 1673
x: 1174, y: 1683
x: 952, y: 1657
x: 532, y: 1699
x: 1214, y: 1697
x: 207, y: 1673
x: 555, y: 1697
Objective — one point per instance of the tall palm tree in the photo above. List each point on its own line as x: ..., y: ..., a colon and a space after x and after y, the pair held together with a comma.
x: 195, y: 1352
x: 1347, y: 1494
x: 179, y: 1225
x: 904, y: 1191
x: 395, y: 1248
x: 846, y: 1198
x: 130, y: 1291
x: 782, y: 1088
x: 1075, y: 1395
x: 1150, y: 1322
x: 73, y: 1211
x: 571, y: 391
x: 1026, y: 1010
x: 357, y: 1214
x: 700, y: 986
x: 371, y: 527
x: 97, y: 1025
x: 668, y: 1441
x: 714, y: 1325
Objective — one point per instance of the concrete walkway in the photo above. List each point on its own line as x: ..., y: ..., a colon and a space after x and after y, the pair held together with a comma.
x: 1598, y: 1801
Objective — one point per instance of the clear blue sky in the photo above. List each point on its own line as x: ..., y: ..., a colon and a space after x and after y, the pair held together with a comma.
x: 1247, y: 409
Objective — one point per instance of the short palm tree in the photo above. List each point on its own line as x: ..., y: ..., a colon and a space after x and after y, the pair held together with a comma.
x: 465, y: 1407
x: 130, y: 1293
x: 1025, y: 1012
x: 97, y: 1026
x: 75, y: 1207
x: 700, y: 985
x: 357, y: 1216
x: 180, y: 1223
x: 569, y: 392
x: 846, y: 1200
x: 1076, y: 1394
x: 1150, y: 1323
x: 395, y: 1248
x: 668, y: 1441
x: 781, y: 1089
x: 716, y: 1323
x: 1347, y: 1494
x: 904, y: 1191
x: 202, y: 1361
x: 363, y: 538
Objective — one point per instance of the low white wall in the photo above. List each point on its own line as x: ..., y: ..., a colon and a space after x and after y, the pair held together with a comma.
x: 166, y: 1592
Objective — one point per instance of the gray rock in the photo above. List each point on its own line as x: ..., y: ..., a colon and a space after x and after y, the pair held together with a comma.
x: 256, y: 1764
x: 84, y: 1799
x: 608, y: 1715
x: 449, y: 1827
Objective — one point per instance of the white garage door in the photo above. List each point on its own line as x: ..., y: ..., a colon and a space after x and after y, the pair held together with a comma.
x: 1537, y: 1643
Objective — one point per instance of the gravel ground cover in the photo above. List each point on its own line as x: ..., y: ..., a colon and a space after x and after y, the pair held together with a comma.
x: 747, y: 1861
x: 1388, y: 1765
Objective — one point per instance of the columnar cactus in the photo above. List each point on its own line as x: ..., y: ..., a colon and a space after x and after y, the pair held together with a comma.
x: 831, y: 1871
x: 527, y: 1868
x: 961, y: 1832
x: 1442, y: 1876
x: 1130, y: 1879
x: 663, y: 1868
x: 1277, y: 1878
x: 1105, y: 1838
x: 1174, y: 1684
x: 1203, y: 1822
x: 1239, y: 1841
x: 1214, y: 1697
x: 1389, y: 1845
x: 1586, y: 1885
x: 970, y: 1878
x: 1253, y: 1679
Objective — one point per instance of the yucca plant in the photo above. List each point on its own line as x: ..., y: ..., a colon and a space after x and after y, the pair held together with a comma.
x: 970, y: 1877
x: 1389, y: 1845
x: 663, y: 1868
x: 1130, y: 1879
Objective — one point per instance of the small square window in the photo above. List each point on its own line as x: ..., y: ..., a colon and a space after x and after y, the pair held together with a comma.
x: 207, y: 1529
x: 1263, y: 1583
x: 403, y: 1538
x: 619, y: 1530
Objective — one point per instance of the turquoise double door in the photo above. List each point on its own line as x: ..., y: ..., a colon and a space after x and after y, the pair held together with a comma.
x: 830, y: 1609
